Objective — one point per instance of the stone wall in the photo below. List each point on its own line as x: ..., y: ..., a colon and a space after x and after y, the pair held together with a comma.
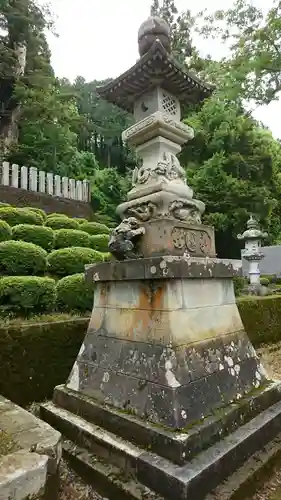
x: 22, y: 186
x: 22, y: 198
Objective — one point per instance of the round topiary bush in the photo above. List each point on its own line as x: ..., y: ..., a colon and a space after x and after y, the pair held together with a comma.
x: 99, y: 242
x: 75, y: 294
x: 27, y: 294
x: 39, y: 235
x: 5, y: 231
x: 19, y: 258
x: 71, y: 238
x: 72, y: 260
x: 39, y: 211
x: 264, y: 281
x: 62, y: 222
x: 55, y: 214
x: 14, y: 216
x: 81, y: 220
x: 94, y: 228
x: 106, y: 256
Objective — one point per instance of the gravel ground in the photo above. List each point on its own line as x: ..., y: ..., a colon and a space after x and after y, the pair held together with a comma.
x: 73, y: 488
x: 271, y: 358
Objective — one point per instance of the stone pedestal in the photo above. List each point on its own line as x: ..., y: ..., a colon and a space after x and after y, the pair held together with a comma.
x: 165, y: 341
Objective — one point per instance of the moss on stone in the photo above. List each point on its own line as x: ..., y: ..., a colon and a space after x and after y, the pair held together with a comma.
x: 7, y: 444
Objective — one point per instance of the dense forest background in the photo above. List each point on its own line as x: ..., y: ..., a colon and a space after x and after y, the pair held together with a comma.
x: 233, y: 163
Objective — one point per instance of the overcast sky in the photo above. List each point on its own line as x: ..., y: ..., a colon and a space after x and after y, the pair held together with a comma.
x: 98, y: 39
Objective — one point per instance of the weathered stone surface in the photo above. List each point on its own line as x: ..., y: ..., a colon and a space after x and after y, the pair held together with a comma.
x: 32, y: 470
x: 192, y: 480
x: 165, y: 237
x: 166, y: 267
x: 177, y: 446
x: 23, y: 476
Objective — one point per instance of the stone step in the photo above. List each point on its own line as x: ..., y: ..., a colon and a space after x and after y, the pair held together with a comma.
x: 192, y: 481
x: 244, y: 483
x: 101, y: 443
x: 107, y: 479
x: 178, y: 447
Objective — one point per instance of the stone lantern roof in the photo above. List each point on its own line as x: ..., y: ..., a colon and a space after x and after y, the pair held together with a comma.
x: 253, y: 231
x: 156, y: 67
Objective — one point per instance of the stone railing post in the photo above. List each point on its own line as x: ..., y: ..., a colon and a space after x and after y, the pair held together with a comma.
x: 50, y: 183
x: 5, y: 181
x: 23, y: 177
x: 42, y: 181
x: 15, y: 176
x: 33, y: 185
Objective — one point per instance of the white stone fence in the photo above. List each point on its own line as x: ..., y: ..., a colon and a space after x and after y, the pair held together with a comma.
x: 39, y: 181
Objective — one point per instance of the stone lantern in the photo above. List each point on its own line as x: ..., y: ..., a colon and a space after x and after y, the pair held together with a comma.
x: 253, y: 237
x: 167, y: 397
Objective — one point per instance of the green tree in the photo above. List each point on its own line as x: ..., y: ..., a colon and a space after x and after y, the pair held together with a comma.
x: 233, y: 166
x: 253, y: 67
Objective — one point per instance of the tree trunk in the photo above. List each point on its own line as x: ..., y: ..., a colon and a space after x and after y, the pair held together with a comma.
x: 12, y: 108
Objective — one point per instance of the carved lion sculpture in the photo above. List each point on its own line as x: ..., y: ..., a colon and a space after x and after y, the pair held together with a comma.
x: 124, y: 239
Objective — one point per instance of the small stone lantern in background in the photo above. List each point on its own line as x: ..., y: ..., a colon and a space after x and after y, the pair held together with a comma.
x: 253, y: 237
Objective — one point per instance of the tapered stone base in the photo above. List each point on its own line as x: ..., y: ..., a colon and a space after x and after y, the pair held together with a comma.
x: 172, y: 351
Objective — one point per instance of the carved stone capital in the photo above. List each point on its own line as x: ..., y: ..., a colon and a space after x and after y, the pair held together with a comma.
x: 158, y: 124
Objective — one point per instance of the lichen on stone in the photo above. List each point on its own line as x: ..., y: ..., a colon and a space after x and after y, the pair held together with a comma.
x: 7, y: 444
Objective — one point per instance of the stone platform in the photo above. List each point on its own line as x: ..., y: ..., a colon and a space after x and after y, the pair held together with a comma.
x: 167, y: 393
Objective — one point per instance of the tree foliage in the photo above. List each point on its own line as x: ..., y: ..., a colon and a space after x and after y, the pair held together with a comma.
x: 253, y: 66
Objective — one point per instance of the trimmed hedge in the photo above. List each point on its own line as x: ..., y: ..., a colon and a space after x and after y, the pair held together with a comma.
x: 62, y: 222
x: 39, y: 211
x: 34, y: 358
x: 99, y: 242
x: 27, y: 295
x: 261, y: 317
x: 75, y: 294
x: 39, y: 235
x: 72, y: 260
x: 71, y: 238
x: 55, y: 214
x: 81, y: 220
x: 21, y: 258
x: 95, y: 228
x: 5, y: 231
x: 14, y: 216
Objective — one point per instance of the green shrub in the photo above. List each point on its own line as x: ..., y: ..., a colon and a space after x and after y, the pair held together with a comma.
x: 81, y: 220
x: 99, y: 242
x: 19, y: 258
x: 27, y: 294
x: 39, y: 211
x: 75, y: 294
x: 71, y: 238
x: 34, y: 358
x: 5, y: 231
x: 39, y: 235
x: 239, y: 283
x: 261, y: 317
x: 62, y: 222
x: 15, y: 216
x: 106, y: 256
x: 95, y: 228
x: 264, y: 281
x: 72, y: 260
